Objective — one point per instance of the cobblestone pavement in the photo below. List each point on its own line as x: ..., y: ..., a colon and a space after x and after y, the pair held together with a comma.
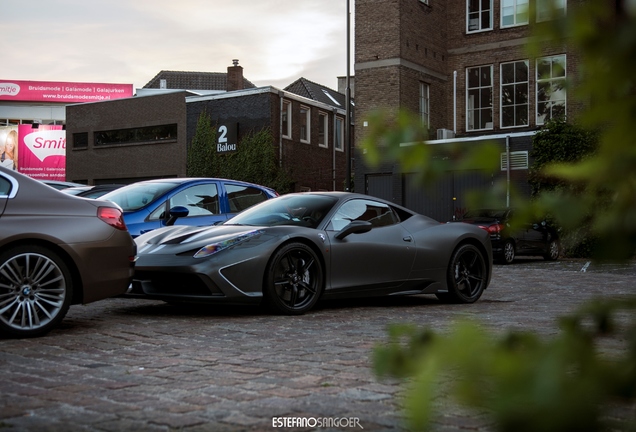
x: 123, y: 365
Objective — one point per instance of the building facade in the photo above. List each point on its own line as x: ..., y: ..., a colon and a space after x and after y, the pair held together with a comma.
x: 148, y: 136
x: 464, y: 67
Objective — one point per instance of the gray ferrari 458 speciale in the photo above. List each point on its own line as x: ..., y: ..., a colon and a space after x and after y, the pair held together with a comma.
x: 293, y: 250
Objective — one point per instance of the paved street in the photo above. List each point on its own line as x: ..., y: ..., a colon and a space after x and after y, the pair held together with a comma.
x: 124, y: 365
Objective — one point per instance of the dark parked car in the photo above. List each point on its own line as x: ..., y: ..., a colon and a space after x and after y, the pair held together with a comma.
x: 527, y: 239
x: 56, y: 250
x: 92, y: 191
x: 147, y: 204
x: 293, y: 250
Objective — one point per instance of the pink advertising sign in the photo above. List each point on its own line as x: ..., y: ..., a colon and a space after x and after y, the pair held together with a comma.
x: 42, y: 152
x: 62, y: 92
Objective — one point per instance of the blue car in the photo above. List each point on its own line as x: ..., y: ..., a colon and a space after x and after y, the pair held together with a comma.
x: 147, y: 204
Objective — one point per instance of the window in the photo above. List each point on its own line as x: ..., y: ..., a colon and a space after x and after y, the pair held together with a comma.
x: 514, y: 94
x: 323, y: 127
x: 514, y: 12
x: 551, y: 94
x: 200, y: 200
x: 550, y: 9
x: 479, y: 98
x: 339, y: 143
x: 305, y: 123
x: 424, y: 104
x: 241, y: 197
x: 140, y: 135
x: 379, y: 214
x: 286, y: 119
x: 479, y: 15
x: 80, y: 140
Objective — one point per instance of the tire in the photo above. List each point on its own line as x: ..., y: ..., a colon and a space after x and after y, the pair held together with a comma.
x: 466, y: 275
x: 554, y: 250
x: 508, y: 255
x: 294, y: 279
x: 36, y: 290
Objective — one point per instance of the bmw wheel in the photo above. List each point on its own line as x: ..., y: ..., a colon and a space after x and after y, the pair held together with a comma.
x: 508, y: 255
x: 466, y: 275
x: 553, y: 250
x: 35, y: 291
x: 294, y: 279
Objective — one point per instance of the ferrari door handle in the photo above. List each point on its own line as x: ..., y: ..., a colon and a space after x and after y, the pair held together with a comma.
x: 408, y: 239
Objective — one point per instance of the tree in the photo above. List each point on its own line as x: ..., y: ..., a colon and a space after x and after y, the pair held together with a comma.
x: 201, y: 150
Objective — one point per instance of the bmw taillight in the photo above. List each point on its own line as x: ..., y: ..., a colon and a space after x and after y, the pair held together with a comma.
x: 113, y: 217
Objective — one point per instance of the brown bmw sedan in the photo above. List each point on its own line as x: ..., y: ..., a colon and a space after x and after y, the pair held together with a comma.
x: 56, y: 250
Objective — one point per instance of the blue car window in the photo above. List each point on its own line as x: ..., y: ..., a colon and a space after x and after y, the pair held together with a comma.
x: 241, y: 197
x: 200, y: 200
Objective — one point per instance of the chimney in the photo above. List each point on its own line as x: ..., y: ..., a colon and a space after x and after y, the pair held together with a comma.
x: 234, y: 76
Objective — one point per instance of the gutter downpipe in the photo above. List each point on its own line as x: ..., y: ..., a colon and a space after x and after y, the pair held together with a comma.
x: 455, y: 101
x: 333, y: 151
x: 508, y: 171
x: 280, y: 131
x: 348, y: 102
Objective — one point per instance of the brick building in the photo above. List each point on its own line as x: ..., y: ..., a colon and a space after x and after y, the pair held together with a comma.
x: 463, y: 66
x: 148, y: 136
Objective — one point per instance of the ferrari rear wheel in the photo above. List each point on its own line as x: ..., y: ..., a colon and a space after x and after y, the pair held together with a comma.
x: 466, y: 275
x: 35, y: 291
x: 294, y: 279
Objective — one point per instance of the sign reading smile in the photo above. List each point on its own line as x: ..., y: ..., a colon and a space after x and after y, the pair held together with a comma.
x: 46, y: 143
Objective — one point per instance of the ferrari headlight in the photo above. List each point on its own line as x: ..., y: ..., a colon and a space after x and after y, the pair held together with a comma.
x: 213, y: 248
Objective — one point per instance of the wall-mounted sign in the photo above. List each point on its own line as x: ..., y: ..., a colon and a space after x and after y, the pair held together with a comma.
x: 62, y: 92
x: 226, y: 138
x: 39, y: 152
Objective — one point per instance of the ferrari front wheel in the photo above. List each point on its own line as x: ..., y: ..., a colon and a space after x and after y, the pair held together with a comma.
x: 466, y: 275
x: 294, y: 279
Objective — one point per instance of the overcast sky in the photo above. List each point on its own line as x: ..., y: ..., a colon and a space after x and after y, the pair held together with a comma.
x: 130, y: 41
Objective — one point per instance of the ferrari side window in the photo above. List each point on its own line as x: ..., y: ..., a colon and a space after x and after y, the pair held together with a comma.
x: 379, y: 214
x: 200, y: 200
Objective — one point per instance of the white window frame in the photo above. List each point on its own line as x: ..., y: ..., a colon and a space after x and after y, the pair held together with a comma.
x: 470, y: 111
x: 425, y: 104
x: 515, y: 104
x: 323, y: 120
x: 481, y: 25
x: 307, y: 124
x: 287, y: 110
x: 518, y: 9
x: 339, y: 133
x: 544, y: 9
x: 550, y: 80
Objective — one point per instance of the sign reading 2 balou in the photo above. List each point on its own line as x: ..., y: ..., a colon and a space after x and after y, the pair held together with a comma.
x: 226, y: 142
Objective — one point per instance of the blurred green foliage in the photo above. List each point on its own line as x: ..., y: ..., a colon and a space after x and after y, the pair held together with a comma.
x: 523, y: 382
x: 254, y: 161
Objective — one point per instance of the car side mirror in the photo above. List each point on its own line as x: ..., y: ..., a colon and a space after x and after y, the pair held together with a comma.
x: 355, y: 227
x: 177, y: 212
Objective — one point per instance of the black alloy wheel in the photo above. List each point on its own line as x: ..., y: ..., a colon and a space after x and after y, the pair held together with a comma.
x: 35, y: 291
x: 466, y: 275
x: 508, y: 255
x: 553, y: 250
x: 294, y: 279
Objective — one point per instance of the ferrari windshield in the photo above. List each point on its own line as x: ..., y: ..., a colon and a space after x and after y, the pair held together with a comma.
x: 306, y: 210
